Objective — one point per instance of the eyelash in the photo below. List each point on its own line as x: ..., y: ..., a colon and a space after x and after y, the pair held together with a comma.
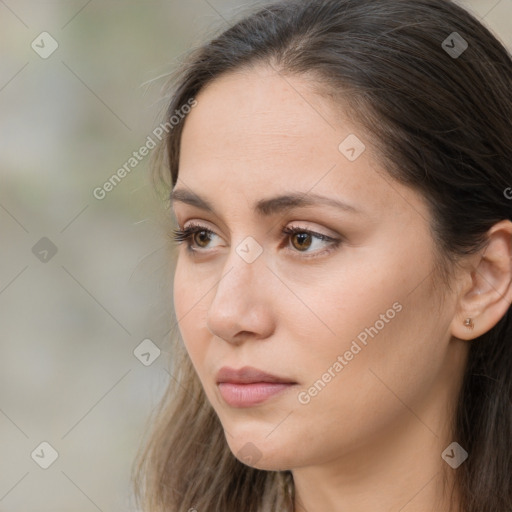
x: 186, y: 235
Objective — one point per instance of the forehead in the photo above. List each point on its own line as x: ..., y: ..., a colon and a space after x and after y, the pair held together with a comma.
x: 259, y: 115
x: 258, y: 133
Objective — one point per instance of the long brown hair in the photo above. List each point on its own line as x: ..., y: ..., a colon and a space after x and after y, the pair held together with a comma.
x: 433, y: 89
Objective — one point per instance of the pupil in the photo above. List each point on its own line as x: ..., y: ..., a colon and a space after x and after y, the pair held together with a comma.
x: 302, y: 237
x: 202, y: 236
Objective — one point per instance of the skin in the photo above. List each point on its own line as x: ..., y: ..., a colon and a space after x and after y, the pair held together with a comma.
x: 372, y: 438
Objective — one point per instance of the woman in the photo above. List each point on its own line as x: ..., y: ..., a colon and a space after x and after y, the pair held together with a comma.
x: 343, y: 277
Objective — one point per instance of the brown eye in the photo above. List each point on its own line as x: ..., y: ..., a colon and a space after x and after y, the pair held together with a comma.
x: 301, y: 241
x: 194, y: 235
x: 198, y: 238
x: 202, y: 238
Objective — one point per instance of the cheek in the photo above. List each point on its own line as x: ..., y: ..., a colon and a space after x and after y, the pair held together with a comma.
x: 338, y: 307
x: 379, y: 329
x: 190, y: 311
x: 189, y: 291
x: 181, y: 299
x: 389, y: 357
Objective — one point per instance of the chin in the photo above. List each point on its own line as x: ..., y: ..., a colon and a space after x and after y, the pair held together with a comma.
x: 259, y: 452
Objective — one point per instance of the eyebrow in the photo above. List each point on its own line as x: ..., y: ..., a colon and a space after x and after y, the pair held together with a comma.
x: 270, y: 206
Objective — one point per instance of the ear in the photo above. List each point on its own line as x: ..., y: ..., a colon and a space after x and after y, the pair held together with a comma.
x: 488, y: 293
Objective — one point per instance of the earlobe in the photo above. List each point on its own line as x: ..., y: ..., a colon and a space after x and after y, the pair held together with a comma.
x: 487, y: 297
x: 469, y: 323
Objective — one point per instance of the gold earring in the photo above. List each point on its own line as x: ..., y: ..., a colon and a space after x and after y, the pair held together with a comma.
x: 469, y: 323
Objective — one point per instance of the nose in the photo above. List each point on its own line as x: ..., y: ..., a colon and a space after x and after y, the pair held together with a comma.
x: 242, y: 306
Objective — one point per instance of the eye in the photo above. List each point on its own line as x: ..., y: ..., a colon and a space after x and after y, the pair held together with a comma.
x: 193, y: 234
x: 303, y: 239
x: 198, y: 237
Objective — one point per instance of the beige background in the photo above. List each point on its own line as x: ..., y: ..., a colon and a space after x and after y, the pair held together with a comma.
x: 69, y: 326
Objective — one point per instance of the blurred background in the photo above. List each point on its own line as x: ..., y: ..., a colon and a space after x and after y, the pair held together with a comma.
x: 85, y: 276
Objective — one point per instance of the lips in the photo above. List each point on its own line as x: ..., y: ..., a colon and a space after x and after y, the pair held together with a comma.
x: 248, y: 375
x: 249, y: 386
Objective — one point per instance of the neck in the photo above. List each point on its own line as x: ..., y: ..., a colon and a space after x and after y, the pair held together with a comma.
x: 400, y: 471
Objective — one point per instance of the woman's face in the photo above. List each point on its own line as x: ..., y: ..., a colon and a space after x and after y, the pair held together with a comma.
x: 350, y: 321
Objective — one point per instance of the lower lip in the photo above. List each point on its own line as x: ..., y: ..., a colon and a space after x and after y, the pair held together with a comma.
x: 247, y: 395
